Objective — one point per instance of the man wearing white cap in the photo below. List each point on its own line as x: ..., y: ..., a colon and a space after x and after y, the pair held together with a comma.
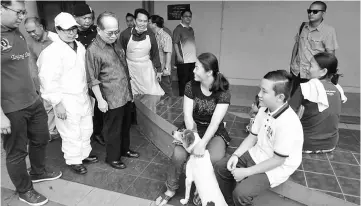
x: 63, y: 83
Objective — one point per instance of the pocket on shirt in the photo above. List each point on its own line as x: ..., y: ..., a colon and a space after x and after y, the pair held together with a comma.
x: 316, y: 44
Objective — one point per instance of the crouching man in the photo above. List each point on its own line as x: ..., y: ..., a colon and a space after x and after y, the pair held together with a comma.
x: 271, y: 152
x: 63, y: 83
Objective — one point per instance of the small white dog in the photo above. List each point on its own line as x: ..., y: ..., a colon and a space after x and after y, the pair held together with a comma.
x: 199, y: 170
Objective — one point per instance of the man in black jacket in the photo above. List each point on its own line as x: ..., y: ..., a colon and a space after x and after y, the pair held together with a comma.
x: 87, y: 32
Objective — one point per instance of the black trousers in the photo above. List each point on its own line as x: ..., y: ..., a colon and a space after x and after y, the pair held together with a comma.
x: 116, y: 131
x: 29, y: 125
x: 296, y: 81
x: 240, y: 193
x: 97, y: 120
x: 185, y: 74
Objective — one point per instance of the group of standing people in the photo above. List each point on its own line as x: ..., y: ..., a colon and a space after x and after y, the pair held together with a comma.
x: 87, y: 76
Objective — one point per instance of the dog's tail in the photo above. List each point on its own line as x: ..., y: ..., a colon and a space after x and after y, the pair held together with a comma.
x: 210, y: 204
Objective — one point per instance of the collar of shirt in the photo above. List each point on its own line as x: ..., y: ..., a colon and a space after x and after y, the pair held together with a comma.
x: 7, y: 29
x: 101, y: 42
x: 68, y: 45
x: 139, y: 37
x: 185, y: 25
x: 318, y: 28
x: 91, y: 29
x: 45, y: 38
x: 159, y: 31
x: 275, y: 114
x: 135, y: 33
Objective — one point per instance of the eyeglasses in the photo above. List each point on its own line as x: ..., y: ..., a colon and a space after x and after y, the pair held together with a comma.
x: 187, y: 16
x: 111, y: 33
x: 19, y: 13
x: 309, y: 11
x: 69, y: 31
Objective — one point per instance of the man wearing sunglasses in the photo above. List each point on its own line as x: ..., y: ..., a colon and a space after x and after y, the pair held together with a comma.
x: 63, y: 83
x: 313, y: 37
x: 24, y: 126
x: 108, y: 77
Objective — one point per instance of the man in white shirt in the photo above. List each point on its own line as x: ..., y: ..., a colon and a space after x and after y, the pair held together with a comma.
x: 63, y: 83
x: 271, y: 152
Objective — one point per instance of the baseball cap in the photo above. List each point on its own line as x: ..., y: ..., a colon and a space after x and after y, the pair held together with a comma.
x: 65, y: 20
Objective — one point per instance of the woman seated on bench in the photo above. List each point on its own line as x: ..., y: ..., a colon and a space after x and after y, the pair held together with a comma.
x: 321, y: 100
x: 206, y: 100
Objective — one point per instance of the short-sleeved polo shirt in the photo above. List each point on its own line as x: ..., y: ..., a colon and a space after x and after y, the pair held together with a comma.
x: 312, y: 41
x: 17, y: 87
x: 184, y: 37
x: 278, y: 133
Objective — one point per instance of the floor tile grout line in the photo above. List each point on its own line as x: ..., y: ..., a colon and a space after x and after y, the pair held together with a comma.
x: 338, y: 182
x: 141, y: 173
x: 346, y: 151
x: 177, y: 117
x: 349, y: 164
x: 333, y: 192
x: 148, y: 178
x: 304, y: 175
x: 92, y: 188
x: 318, y: 173
x: 176, y: 102
x: 137, y: 176
x: 355, y: 158
x: 161, y: 101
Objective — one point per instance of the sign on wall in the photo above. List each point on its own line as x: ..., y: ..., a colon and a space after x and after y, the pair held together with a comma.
x: 174, y: 11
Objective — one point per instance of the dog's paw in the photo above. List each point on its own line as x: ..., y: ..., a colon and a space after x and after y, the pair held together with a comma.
x: 183, y: 201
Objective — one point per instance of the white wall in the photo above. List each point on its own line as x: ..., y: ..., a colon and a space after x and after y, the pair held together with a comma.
x: 120, y: 8
x: 258, y: 36
x: 207, y: 37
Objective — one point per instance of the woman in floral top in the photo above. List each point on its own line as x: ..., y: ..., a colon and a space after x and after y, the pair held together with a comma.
x: 206, y: 100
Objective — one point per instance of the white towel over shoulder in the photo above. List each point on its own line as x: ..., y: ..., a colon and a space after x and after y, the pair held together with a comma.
x: 343, y: 96
x: 314, y: 91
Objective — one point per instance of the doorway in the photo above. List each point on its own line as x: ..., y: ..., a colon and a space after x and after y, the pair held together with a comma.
x: 48, y: 10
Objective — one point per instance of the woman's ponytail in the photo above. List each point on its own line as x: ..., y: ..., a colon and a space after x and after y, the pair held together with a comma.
x: 220, y: 83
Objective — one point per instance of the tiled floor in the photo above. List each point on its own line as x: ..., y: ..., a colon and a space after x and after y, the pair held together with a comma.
x: 9, y: 198
x: 143, y: 177
x: 337, y: 173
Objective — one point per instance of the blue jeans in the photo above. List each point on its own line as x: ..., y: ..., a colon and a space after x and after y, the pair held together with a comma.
x: 29, y: 125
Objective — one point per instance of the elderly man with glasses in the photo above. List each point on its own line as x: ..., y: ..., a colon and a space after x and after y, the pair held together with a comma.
x: 63, y: 83
x: 312, y: 37
x: 23, y: 117
x: 108, y: 76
